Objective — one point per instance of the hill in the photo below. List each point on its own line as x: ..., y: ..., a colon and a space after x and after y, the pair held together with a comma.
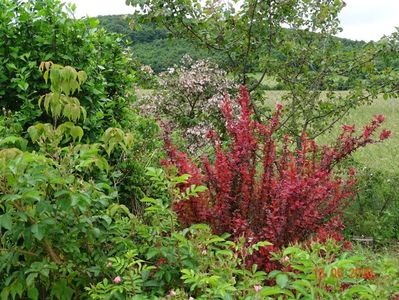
x: 154, y: 46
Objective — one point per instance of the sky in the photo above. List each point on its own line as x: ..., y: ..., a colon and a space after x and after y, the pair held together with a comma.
x: 360, y: 19
x: 369, y: 19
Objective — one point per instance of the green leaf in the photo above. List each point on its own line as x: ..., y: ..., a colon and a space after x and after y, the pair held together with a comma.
x: 152, y: 253
x: 200, y: 188
x: 347, y: 262
x: 225, y: 253
x: 76, y: 133
x: 200, y: 227
x: 45, y: 76
x: 15, y: 141
x: 82, y: 76
x: 5, y: 293
x: 270, y: 290
x: 291, y: 250
x: 6, y: 221
x: 261, y: 244
x: 34, y: 195
x: 361, y: 289
x: 94, y: 22
x: 16, y: 289
x: 33, y: 293
x: 282, y: 280
x: 84, y: 113
x: 107, y: 219
x: 96, y: 232
x: 61, y: 290
x: 30, y: 279
x: 300, y: 286
x: 181, y: 179
x: 33, y: 133
x: 215, y: 239
x: 38, y: 231
x: 11, y: 66
x: 214, y: 280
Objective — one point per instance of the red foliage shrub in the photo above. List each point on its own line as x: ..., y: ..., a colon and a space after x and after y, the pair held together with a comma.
x: 267, y: 190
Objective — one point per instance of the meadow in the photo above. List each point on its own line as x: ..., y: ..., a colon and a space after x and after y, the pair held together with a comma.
x: 379, y: 156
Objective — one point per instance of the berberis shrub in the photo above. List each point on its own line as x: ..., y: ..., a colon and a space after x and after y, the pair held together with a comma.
x: 267, y: 190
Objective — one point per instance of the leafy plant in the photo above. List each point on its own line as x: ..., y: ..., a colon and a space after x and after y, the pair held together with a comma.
x: 374, y: 211
x: 328, y: 271
x: 51, y: 193
x: 34, y: 31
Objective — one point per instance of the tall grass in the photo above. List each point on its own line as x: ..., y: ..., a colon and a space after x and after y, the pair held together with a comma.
x: 384, y: 156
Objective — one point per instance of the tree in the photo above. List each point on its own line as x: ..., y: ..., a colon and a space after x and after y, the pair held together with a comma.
x: 306, y: 59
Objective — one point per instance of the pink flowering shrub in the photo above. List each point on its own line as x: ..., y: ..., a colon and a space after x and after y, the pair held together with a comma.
x: 189, y: 99
x: 269, y: 190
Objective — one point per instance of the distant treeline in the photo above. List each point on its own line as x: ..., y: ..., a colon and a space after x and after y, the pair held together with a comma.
x: 154, y: 46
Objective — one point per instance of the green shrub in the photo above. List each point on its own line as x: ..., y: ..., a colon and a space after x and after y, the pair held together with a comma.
x: 128, y: 168
x: 34, y: 31
x: 56, y: 202
x: 328, y: 271
x: 375, y: 211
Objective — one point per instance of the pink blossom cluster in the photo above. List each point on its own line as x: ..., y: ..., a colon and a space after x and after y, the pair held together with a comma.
x: 189, y: 99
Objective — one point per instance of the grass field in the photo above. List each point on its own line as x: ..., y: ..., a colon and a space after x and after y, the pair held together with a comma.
x: 268, y: 80
x: 383, y: 156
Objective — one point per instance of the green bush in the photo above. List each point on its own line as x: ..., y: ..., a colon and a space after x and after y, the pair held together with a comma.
x: 56, y: 202
x: 328, y: 271
x: 34, y: 31
x: 375, y: 210
x: 128, y: 168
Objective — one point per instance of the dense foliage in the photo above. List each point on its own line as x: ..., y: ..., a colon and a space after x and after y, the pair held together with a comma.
x: 34, y: 31
x: 375, y: 211
x: 48, y: 187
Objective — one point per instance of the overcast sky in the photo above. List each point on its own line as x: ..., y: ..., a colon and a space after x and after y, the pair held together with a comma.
x: 360, y: 19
